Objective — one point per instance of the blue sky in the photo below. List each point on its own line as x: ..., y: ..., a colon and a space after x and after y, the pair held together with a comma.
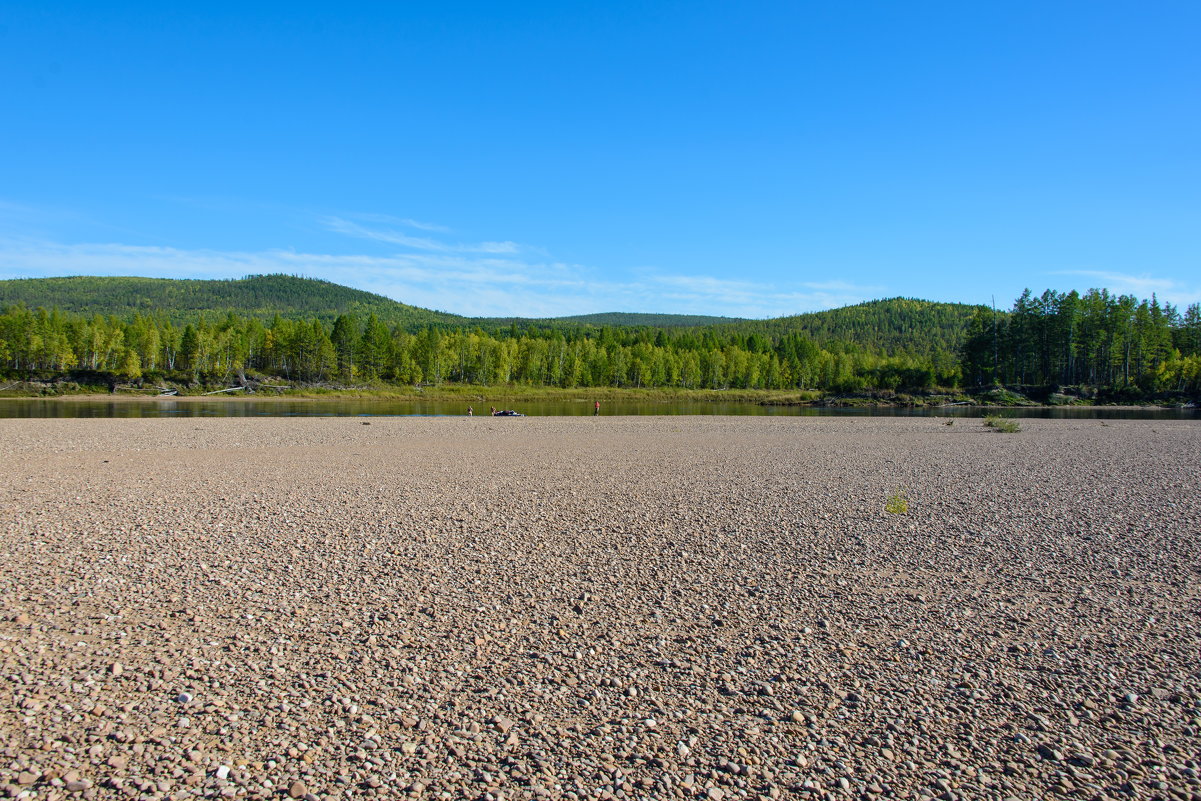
x: 748, y: 159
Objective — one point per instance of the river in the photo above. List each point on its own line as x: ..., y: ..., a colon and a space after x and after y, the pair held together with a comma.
x: 350, y: 407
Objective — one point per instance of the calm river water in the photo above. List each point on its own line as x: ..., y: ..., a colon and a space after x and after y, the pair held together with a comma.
x: 166, y: 407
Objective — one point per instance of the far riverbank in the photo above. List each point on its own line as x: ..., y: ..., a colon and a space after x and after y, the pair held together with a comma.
x: 103, y: 406
x: 978, y: 398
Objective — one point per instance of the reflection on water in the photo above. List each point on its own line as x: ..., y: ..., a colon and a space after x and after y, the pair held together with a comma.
x: 166, y: 407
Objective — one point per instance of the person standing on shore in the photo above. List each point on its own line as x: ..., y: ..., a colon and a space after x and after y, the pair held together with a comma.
x: 470, y: 412
x: 596, y: 409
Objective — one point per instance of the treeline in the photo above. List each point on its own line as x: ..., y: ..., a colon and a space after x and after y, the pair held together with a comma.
x: 352, y: 351
x: 1115, y: 342
x: 1112, y: 343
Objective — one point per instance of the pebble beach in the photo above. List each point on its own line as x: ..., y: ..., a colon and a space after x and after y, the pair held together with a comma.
x: 595, y: 608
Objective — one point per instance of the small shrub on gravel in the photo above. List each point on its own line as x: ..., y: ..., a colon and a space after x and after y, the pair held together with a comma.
x: 1002, y: 425
x: 897, y: 503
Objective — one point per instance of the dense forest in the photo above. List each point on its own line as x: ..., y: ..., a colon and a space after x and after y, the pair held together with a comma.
x: 351, y: 350
x: 1097, y: 339
x: 1112, y: 343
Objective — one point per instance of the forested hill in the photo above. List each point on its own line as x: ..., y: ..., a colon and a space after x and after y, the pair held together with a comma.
x: 184, y: 300
x: 291, y: 297
x: 919, y: 327
x: 897, y: 324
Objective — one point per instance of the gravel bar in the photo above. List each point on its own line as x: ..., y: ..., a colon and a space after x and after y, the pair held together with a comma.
x: 595, y: 608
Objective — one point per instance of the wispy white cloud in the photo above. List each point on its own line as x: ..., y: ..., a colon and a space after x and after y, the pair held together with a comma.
x: 418, y: 263
x: 475, y: 283
x: 349, y: 228
x: 407, y: 222
x: 1142, y: 286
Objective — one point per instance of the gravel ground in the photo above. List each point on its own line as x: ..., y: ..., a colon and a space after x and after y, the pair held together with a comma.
x: 639, y: 607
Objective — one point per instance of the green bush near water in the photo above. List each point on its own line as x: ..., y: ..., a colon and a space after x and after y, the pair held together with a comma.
x: 1002, y: 425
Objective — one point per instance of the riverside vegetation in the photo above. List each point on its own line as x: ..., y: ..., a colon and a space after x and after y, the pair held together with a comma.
x: 1002, y: 425
x: 118, y: 330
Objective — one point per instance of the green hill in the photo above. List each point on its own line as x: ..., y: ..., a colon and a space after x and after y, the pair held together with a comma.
x: 919, y: 327
x: 261, y: 296
x: 885, y: 326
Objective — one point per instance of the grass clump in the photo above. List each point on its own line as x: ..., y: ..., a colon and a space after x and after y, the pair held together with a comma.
x: 1002, y: 425
x: 897, y: 503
